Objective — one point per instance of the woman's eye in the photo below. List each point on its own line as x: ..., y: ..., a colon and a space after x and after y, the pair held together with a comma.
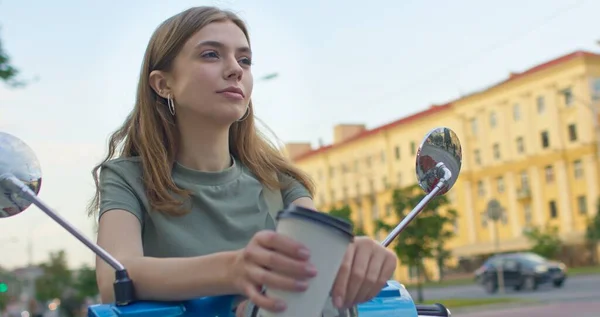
x: 246, y: 61
x: 210, y: 55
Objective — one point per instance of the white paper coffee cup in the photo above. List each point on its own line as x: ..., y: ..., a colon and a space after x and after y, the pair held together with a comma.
x: 327, y: 238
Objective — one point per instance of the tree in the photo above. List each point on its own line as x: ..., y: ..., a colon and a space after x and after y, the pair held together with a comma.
x: 441, y: 253
x: 546, y: 242
x: 8, y: 73
x: 85, y: 283
x: 592, y: 234
x: 345, y: 213
x: 3, y: 301
x: 56, y: 278
x: 427, y: 234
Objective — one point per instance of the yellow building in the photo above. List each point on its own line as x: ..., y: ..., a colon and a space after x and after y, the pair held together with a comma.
x: 529, y: 142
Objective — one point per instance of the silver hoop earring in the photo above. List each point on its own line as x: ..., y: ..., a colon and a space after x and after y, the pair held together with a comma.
x: 171, y: 105
x: 245, y: 116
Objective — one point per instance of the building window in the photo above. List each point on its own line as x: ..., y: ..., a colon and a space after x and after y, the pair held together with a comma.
x: 582, y: 205
x: 474, y: 126
x: 358, y: 190
x: 484, y: 219
x: 541, y: 105
x: 500, y: 184
x: 568, y: 97
x: 516, y: 112
x: 480, y: 189
x: 577, y: 169
x: 527, y: 213
x: 549, y: 171
x: 382, y: 156
x: 331, y: 172
x: 496, y: 151
x: 553, y: 211
x: 374, y: 212
x: 368, y: 161
x: 332, y: 196
x: 477, y: 157
x: 545, y: 139
x: 399, y: 177
x: 596, y: 88
x: 371, y: 187
x: 397, y: 152
x: 520, y: 145
x: 572, y: 132
x: 388, y: 210
x: 413, y: 148
x: 385, y: 182
x: 524, y: 179
x: 345, y: 194
x: 493, y: 120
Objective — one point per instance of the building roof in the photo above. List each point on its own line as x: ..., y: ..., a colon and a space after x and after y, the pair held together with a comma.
x: 436, y: 109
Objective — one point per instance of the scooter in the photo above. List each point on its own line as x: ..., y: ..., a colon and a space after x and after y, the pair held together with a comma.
x: 438, y: 164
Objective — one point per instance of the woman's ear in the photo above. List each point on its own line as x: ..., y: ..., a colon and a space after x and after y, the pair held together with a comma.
x: 158, y: 82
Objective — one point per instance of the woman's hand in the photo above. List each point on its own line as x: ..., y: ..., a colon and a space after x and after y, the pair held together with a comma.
x: 275, y: 261
x: 366, y: 268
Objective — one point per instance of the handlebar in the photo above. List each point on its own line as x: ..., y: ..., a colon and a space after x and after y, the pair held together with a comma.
x: 435, y: 310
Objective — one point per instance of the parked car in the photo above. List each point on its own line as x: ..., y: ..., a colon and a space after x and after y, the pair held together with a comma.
x: 523, y: 270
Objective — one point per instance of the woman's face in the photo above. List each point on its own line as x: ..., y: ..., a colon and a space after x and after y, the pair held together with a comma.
x: 211, y: 75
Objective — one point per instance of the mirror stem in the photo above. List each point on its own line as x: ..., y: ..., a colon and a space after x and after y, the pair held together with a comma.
x: 447, y: 174
x: 123, y: 286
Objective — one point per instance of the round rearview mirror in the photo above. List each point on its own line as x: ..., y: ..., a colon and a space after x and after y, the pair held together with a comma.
x: 16, y: 159
x: 440, y: 148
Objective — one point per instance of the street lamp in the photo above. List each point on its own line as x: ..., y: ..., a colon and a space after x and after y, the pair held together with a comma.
x: 495, y: 213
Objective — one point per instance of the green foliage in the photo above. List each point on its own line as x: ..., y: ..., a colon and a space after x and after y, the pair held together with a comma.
x: 56, y: 278
x: 72, y: 288
x: 592, y: 233
x: 546, y: 242
x: 345, y: 213
x: 427, y: 234
x: 3, y: 301
x: 85, y: 283
x: 8, y: 73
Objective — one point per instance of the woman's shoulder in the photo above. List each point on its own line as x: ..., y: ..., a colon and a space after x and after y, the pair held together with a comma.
x: 124, y: 162
x: 123, y: 165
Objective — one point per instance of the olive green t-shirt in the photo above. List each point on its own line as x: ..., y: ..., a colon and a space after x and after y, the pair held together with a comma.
x: 228, y: 207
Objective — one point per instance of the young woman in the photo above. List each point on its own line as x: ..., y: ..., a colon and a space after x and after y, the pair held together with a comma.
x: 184, y: 204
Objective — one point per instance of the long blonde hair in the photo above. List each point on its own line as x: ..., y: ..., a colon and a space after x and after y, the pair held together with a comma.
x: 150, y: 131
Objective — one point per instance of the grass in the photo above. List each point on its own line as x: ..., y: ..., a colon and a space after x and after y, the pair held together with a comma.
x: 583, y: 270
x: 453, y: 303
x: 589, y: 270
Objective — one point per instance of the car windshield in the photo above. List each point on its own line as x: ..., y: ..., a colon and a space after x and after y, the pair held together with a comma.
x: 532, y: 257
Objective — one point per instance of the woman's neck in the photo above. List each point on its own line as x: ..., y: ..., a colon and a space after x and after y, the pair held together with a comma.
x: 203, y: 146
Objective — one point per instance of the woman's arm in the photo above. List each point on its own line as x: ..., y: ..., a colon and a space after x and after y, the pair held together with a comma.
x: 119, y: 232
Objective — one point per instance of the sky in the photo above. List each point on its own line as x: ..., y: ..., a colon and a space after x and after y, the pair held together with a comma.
x: 338, y: 62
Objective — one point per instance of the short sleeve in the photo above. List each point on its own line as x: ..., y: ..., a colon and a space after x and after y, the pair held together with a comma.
x: 116, y: 192
x: 292, y: 189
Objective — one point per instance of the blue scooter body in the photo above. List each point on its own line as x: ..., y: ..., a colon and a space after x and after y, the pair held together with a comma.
x: 393, y: 300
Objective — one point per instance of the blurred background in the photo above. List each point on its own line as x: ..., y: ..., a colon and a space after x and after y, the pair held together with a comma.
x: 348, y: 89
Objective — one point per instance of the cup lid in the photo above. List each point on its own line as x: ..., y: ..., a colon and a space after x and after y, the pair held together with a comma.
x: 336, y: 223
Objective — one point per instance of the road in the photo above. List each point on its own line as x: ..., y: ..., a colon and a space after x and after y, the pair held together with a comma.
x: 579, y: 309
x: 578, y: 297
x: 575, y: 288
